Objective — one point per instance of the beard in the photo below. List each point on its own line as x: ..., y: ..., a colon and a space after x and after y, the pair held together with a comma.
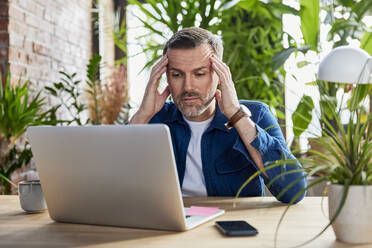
x: 193, y: 109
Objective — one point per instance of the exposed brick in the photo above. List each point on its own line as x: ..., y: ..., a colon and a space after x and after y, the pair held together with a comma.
x: 42, y: 61
x: 27, y: 45
x: 43, y: 37
x: 4, y: 24
x: 32, y: 7
x: 17, y: 27
x: 4, y: 9
x: 17, y: 55
x: 33, y: 72
x: 32, y: 20
x: 16, y: 13
x: 18, y: 69
x: 4, y: 40
x: 40, y: 49
x: 16, y: 40
x: 31, y: 33
x: 45, y: 26
x: 4, y: 53
x: 61, y: 33
x: 49, y: 16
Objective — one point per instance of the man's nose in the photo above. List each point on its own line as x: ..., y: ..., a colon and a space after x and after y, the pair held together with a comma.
x: 188, y: 84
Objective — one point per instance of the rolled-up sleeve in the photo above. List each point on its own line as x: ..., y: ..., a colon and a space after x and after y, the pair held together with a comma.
x: 271, y: 145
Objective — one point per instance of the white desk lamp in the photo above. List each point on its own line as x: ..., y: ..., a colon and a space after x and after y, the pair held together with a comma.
x: 346, y: 65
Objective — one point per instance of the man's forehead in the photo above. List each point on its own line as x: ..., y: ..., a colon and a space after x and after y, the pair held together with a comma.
x: 190, y: 58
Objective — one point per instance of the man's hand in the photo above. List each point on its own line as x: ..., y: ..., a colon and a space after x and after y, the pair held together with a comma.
x: 152, y: 101
x: 226, y: 97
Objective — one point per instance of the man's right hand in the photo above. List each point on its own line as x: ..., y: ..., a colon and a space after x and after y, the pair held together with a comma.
x: 152, y: 101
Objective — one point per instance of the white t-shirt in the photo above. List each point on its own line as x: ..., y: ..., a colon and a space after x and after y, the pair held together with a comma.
x: 193, y: 181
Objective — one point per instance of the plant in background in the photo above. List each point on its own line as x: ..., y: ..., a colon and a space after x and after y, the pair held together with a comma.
x: 67, y: 94
x: 347, y: 163
x: 115, y: 97
x: 252, y: 33
x: 345, y: 20
x: 17, y: 112
x: 94, y: 90
x: 108, y: 101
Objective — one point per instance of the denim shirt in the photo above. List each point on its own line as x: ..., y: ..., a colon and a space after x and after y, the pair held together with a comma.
x: 225, y: 159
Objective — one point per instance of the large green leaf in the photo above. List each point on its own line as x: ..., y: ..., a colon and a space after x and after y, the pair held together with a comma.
x: 328, y: 105
x: 282, y: 56
x: 303, y: 115
x: 358, y: 94
x: 309, y: 14
x: 362, y: 8
x: 366, y: 42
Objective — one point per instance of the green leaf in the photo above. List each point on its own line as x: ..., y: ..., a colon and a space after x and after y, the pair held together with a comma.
x: 93, y: 68
x: 346, y: 3
x: 328, y: 105
x: 302, y: 116
x: 362, y: 8
x: 309, y: 14
x: 280, y: 57
x: 51, y: 90
x: 366, y: 42
x: 358, y: 94
x: 302, y: 64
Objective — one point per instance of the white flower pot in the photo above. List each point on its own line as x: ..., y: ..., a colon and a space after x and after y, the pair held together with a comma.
x: 354, y: 223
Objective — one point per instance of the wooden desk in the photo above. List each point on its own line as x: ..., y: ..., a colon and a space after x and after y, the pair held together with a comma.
x: 304, y: 220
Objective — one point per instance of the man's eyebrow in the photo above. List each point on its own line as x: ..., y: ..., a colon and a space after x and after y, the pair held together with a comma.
x: 172, y: 68
x: 196, y: 69
x: 201, y: 68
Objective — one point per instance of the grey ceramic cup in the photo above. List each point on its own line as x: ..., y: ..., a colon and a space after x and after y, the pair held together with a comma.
x: 31, y: 196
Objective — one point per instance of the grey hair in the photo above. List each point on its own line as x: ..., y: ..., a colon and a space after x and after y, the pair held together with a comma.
x: 193, y: 37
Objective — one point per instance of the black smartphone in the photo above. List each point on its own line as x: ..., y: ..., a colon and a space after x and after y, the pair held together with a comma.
x: 236, y: 228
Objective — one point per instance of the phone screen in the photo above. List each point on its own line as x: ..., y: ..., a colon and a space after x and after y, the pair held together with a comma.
x: 236, y: 228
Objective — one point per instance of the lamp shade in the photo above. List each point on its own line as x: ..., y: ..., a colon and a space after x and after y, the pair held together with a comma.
x: 346, y: 65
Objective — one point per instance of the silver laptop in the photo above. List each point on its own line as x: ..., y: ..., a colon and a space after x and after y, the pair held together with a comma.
x: 111, y: 175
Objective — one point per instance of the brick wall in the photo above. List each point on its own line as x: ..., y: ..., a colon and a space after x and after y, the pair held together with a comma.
x: 38, y: 38
x: 4, y: 37
x: 46, y: 36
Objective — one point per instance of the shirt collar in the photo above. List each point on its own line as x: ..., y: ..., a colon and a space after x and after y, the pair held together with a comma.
x: 218, y: 121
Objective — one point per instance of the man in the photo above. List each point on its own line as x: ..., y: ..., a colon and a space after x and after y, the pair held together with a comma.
x: 218, y: 141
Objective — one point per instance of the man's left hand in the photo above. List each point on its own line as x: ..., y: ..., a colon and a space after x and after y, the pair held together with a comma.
x: 226, y: 97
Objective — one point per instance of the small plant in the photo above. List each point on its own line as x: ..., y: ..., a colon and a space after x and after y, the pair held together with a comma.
x: 17, y: 112
x: 108, y: 101
x: 67, y: 94
x: 115, y: 98
x: 105, y: 101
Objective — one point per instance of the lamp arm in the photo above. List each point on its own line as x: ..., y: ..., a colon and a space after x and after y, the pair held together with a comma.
x: 369, y: 67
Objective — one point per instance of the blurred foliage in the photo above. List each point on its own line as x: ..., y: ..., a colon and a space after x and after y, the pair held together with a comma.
x: 66, y: 95
x: 18, y: 110
x: 252, y: 33
x: 107, y: 101
x: 345, y: 18
x: 104, y: 102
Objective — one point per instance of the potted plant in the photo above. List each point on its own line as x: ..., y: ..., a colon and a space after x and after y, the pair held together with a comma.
x: 346, y: 165
x: 17, y: 112
x: 347, y: 169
